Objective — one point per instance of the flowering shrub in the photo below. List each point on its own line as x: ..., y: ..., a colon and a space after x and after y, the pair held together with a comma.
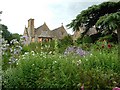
x: 102, y: 46
x: 76, y: 50
x: 40, y: 47
x: 11, y: 52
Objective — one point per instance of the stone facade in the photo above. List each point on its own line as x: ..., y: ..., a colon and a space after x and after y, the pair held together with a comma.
x: 77, y: 33
x: 42, y: 33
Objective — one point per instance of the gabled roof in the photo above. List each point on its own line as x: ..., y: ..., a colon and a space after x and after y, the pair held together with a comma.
x: 43, y: 31
x: 59, y: 32
x: 25, y: 32
x: 43, y: 27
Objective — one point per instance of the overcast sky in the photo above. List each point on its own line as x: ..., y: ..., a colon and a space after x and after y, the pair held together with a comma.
x: 54, y: 12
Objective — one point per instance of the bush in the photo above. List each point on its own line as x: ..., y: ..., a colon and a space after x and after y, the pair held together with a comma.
x: 42, y: 71
x: 64, y: 43
x: 110, y: 38
x: 85, y: 39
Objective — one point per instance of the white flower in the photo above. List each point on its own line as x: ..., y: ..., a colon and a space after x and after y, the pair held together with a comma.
x: 78, y: 62
x: 17, y: 63
x: 50, y: 52
x: 91, y: 54
x: 33, y: 54
x: 1, y: 31
x: 20, y: 47
x: 26, y: 53
x: 7, y: 45
x: 32, y: 51
x: 54, y: 62
x: 86, y: 59
x: 11, y: 50
x: 44, y: 56
x: 16, y: 59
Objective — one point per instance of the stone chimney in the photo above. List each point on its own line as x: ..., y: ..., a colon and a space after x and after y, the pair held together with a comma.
x: 31, y: 27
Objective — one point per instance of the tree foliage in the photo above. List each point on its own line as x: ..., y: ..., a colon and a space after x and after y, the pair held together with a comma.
x: 109, y: 21
x: 5, y: 33
x: 16, y: 36
x: 106, y: 17
x: 89, y: 17
x: 67, y: 40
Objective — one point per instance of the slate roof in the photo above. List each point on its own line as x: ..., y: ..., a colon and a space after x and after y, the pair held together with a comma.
x: 45, y: 34
x: 43, y: 31
x: 59, y: 32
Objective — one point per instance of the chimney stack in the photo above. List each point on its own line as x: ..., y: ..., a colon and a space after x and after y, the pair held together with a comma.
x: 31, y: 26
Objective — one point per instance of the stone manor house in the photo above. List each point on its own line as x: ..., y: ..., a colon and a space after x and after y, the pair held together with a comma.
x: 42, y: 33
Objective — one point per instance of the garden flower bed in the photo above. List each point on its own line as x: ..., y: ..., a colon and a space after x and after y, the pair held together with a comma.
x: 86, y: 66
x: 98, y: 70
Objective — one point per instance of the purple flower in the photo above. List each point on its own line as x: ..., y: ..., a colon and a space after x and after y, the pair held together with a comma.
x: 75, y: 50
x: 116, y: 88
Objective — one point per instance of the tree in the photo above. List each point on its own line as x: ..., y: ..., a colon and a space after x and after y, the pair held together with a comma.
x: 105, y: 16
x: 89, y: 17
x: 8, y: 35
x: 16, y: 36
x: 109, y: 23
x: 67, y: 40
x: 5, y: 33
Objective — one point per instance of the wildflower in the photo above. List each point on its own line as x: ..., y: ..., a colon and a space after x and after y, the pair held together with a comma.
x: 26, y: 53
x: 82, y: 87
x: 109, y: 46
x: 33, y: 54
x: 12, y: 60
x: 44, y: 56
x: 1, y: 31
x: 33, y: 64
x: 23, y: 55
x: 20, y: 47
x: 86, y: 59
x: 54, y: 62
x: 116, y: 88
x: 50, y: 52
x: 78, y: 62
x: 17, y: 63
x: 7, y: 45
x: 75, y: 50
x: 45, y: 46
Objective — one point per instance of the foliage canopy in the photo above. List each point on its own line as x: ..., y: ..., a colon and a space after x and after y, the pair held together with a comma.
x: 88, y: 18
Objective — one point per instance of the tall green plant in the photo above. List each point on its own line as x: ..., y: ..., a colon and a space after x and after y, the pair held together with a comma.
x: 65, y: 72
